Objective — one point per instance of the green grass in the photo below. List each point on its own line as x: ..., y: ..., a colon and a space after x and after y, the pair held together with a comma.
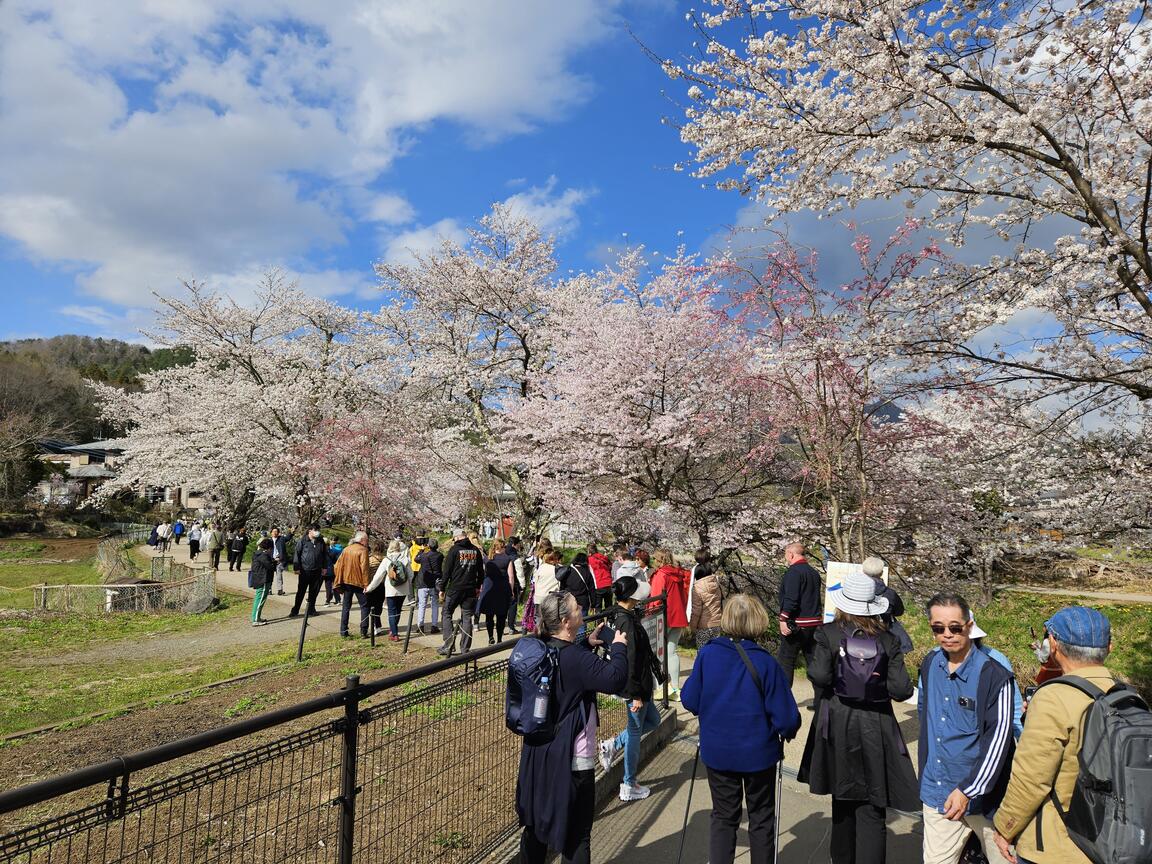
x: 10, y: 549
x: 16, y: 580
x: 1107, y: 553
x: 65, y: 632
x: 1008, y: 617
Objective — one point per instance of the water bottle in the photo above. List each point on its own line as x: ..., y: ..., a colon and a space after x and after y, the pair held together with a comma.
x: 540, y: 706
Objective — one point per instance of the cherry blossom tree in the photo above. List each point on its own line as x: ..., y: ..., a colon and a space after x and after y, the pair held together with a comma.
x: 990, y: 120
x: 265, y: 378
x: 468, y: 322
x: 650, y: 417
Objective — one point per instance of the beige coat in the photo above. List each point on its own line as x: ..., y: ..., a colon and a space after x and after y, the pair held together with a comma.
x: 1046, y: 756
x: 706, y: 602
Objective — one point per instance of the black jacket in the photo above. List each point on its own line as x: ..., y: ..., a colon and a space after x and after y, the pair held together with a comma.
x: 855, y: 751
x: 311, y: 555
x: 431, y: 561
x: 263, y: 569
x: 463, y: 569
x: 577, y: 579
x: 800, y: 601
x: 544, y: 784
x: 643, y: 666
x: 239, y: 542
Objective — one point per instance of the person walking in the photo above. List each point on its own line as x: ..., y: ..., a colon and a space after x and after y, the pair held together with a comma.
x: 801, y: 609
x: 602, y: 571
x: 458, y: 585
x: 392, y: 581
x: 309, y: 561
x: 1046, y: 764
x: 496, y: 590
x: 164, y: 535
x: 873, y: 567
x: 351, y: 578
x: 746, y: 711
x: 194, y: 535
x: 556, y: 781
x: 855, y: 751
x: 706, y: 603
x: 513, y: 550
x: 577, y: 579
x: 237, y: 546
x: 177, y: 531
x: 335, y: 547
x: 644, y: 672
x: 280, y: 556
x: 213, y: 541
x: 261, y: 579
x: 544, y: 580
x: 966, y: 741
x: 427, y: 594
x: 672, y: 581
x: 374, y: 593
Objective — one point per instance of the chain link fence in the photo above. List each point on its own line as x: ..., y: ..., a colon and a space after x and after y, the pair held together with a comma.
x: 113, y: 554
x: 425, y: 776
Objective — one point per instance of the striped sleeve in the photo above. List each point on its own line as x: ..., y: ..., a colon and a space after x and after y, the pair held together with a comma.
x: 996, y: 733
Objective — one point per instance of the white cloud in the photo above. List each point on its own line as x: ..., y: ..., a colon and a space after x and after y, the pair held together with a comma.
x: 391, y: 210
x: 150, y: 140
x: 555, y: 214
x: 399, y: 249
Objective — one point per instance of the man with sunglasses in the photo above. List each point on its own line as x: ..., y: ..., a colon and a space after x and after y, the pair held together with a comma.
x: 966, y: 742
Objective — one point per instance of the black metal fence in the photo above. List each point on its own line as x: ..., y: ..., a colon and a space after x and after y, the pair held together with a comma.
x: 426, y: 774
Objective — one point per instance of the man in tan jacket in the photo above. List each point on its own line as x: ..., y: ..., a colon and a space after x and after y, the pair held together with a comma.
x: 1046, y: 755
x: 351, y: 578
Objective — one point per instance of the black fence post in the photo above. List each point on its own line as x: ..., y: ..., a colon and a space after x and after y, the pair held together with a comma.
x: 303, y: 631
x: 348, y: 789
x: 411, y: 618
x: 664, y: 612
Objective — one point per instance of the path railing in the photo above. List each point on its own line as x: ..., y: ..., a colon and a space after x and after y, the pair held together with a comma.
x: 415, y: 768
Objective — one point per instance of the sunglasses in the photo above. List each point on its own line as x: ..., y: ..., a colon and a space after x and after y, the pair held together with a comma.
x: 954, y: 629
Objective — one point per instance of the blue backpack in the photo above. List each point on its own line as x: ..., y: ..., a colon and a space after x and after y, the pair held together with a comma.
x: 532, y: 661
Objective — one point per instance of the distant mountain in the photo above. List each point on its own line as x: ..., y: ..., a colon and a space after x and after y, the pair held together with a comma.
x: 110, y: 361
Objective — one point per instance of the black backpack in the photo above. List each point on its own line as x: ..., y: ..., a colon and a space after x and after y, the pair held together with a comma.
x: 1110, y: 815
x: 532, y: 663
x: 861, y: 673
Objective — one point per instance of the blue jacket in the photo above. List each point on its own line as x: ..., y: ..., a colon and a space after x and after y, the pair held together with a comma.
x: 738, y: 732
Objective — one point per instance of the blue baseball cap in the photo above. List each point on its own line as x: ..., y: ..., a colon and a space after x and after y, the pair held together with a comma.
x: 1082, y: 626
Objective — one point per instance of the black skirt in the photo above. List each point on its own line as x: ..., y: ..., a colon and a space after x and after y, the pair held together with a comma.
x: 855, y: 752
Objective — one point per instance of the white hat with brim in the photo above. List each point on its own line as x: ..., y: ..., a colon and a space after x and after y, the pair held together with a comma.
x: 643, y: 591
x: 975, y: 632
x: 857, y: 596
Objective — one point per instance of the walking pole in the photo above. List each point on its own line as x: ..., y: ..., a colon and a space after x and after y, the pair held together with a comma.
x: 688, y: 806
x: 776, y: 821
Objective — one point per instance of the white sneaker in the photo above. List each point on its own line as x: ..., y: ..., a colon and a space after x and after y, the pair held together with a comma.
x: 607, y: 751
x: 633, y: 793
x: 381, y: 631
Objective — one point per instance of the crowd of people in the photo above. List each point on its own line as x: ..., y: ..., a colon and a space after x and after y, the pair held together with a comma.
x: 995, y: 771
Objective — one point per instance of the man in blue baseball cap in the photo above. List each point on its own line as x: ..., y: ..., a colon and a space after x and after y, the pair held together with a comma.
x: 1046, y: 756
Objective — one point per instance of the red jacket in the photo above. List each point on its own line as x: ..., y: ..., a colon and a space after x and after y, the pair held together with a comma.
x: 674, y: 582
x: 601, y: 569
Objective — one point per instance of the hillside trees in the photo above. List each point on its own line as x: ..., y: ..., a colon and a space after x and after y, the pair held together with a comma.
x: 1010, y: 122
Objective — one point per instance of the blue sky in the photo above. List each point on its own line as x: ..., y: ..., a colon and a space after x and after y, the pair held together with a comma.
x: 143, y: 142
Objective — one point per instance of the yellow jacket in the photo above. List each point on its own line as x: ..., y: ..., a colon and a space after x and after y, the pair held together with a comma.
x: 1046, y: 757
x: 414, y: 550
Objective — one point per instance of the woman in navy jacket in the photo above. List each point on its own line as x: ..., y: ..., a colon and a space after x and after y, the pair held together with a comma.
x: 741, y: 727
x: 556, y: 786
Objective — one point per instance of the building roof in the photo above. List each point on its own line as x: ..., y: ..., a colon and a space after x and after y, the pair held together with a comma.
x: 98, y: 471
x: 108, y: 445
x: 53, y: 446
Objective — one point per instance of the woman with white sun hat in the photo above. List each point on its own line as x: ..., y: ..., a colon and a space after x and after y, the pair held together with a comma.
x: 855, y: 751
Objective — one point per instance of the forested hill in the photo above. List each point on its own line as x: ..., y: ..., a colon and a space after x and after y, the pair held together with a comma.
x: 108, y: 360
x: 42, y: 384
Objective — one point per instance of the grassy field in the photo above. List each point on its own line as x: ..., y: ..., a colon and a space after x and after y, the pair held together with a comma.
x: 1007, y: 620
x: 20, y: 570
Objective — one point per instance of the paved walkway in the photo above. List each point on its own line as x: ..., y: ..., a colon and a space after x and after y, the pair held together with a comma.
x: 649, y: 831
x: 1072, y: 591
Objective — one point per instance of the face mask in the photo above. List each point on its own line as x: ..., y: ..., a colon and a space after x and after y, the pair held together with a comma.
x: 1044, y: 651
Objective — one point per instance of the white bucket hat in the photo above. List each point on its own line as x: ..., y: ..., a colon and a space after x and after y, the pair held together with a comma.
x: 857, y: 596
x: 975, y: 632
